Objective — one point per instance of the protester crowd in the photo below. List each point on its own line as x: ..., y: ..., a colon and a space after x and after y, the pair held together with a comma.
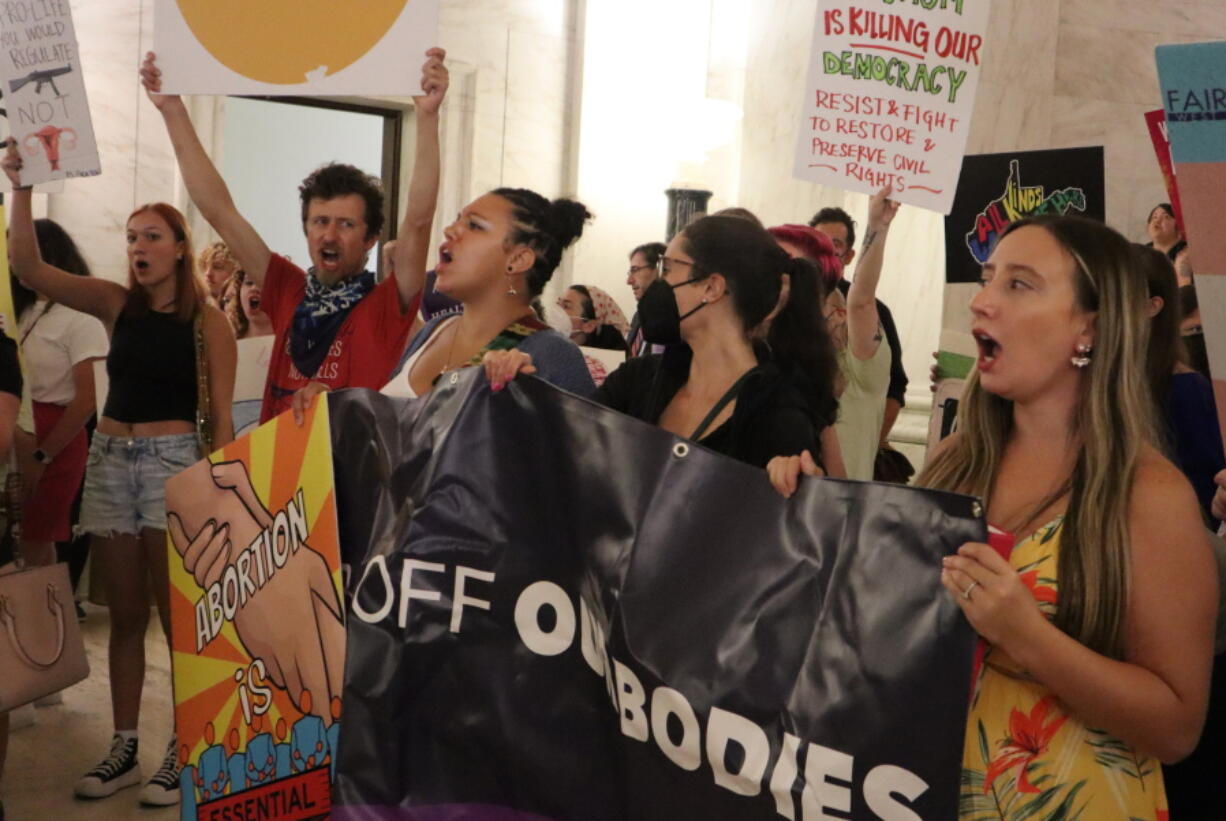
x: 1088, y: 427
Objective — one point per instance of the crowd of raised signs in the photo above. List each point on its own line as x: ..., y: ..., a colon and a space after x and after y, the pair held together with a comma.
x: 1088, y: 426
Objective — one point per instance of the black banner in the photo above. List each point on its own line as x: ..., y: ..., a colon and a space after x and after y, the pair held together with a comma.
x: 556, y: 611
x: 997, y: 189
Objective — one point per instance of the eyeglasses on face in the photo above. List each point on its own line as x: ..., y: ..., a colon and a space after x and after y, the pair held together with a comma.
x: 667, y: 263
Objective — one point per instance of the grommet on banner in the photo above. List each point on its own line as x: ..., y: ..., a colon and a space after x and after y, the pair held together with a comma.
x: 681, y: 450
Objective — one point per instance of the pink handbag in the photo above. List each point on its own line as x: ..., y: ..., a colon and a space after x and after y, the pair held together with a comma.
x: 41, y: 649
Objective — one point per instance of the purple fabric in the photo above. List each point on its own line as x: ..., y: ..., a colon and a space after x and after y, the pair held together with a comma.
x: 438, y: 812
x: 434, y: 303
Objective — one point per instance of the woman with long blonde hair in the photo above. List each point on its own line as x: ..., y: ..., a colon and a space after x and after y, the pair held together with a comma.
x: 147, y: 432
x: 1099, y: 625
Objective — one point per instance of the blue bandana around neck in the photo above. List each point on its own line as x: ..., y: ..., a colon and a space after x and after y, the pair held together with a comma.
x: 320, y: 315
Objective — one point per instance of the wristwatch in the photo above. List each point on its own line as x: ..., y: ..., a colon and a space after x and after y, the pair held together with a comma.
x: 41, y: 457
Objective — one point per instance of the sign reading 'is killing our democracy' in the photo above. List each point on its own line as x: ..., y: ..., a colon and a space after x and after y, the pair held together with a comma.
x: 889, y: 96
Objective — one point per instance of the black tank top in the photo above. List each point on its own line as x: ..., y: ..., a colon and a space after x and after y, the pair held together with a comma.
x: 152, y: 369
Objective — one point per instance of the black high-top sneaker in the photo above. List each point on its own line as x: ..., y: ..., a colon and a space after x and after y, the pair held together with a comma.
x: 118, y: 770
x: 162, y: 790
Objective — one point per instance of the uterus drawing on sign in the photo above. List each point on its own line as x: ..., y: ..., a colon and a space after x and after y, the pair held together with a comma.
x: 51, y: 139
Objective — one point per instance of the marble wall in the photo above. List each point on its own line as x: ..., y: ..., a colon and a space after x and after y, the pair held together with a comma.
x: 662, y: 88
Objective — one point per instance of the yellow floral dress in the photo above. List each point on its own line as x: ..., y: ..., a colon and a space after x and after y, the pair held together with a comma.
x: 1025, y: 757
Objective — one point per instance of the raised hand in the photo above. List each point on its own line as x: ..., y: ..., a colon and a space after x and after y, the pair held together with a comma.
x: 882, y: 209
x: 151, y: 79
x: 434, y: 82
x: 12, y: 162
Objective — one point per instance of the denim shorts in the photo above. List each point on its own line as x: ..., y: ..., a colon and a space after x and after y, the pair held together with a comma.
x: 125, y: 481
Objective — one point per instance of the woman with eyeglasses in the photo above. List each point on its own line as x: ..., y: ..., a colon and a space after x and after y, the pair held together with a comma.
x: 722, y: 276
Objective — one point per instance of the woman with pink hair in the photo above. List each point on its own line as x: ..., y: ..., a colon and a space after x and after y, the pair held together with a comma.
x: 855, y: 328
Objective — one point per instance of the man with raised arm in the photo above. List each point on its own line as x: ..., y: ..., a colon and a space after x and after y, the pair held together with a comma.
x: 335, y: 326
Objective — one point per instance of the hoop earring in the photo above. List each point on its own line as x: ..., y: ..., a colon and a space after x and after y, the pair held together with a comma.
x: 1082, y: 359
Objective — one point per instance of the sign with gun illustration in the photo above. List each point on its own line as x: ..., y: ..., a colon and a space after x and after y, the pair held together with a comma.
x: 44, y: 91
x: 40, y: 79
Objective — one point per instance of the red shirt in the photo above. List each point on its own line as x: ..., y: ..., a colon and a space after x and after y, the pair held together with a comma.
x: 366, y: 348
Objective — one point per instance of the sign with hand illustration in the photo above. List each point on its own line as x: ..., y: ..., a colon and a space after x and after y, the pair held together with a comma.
x: 257, y: 625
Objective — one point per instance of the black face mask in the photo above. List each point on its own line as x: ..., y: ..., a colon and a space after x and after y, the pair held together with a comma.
x: 1198, y: 357
x: 659, y: 316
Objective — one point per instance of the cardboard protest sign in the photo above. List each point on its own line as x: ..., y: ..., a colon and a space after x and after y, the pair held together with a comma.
x: 602, y: 361
x: 44, y: 92
x: 8, y: 316
x: 560, y: 612
x: 994, y: 191
x: 257, y: 632
x: 254, y: 354
x: 1156, y: 122
x: 889, y: 97
x: 302, y: 47
x: 1193, y: 81
x: 8, y: 313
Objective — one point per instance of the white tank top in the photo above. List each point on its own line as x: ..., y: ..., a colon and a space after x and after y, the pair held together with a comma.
x: 399, y: 384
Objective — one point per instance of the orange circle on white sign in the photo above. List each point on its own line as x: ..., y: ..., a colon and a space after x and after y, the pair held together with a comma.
x: 282, y: 41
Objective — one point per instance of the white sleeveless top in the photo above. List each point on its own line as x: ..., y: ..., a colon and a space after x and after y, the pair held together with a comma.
x: 399, y: 384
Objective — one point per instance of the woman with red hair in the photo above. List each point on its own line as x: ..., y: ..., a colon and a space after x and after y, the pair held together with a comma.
x: 855, y: 329
x: 147, y: 433
x: 803, y: 242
